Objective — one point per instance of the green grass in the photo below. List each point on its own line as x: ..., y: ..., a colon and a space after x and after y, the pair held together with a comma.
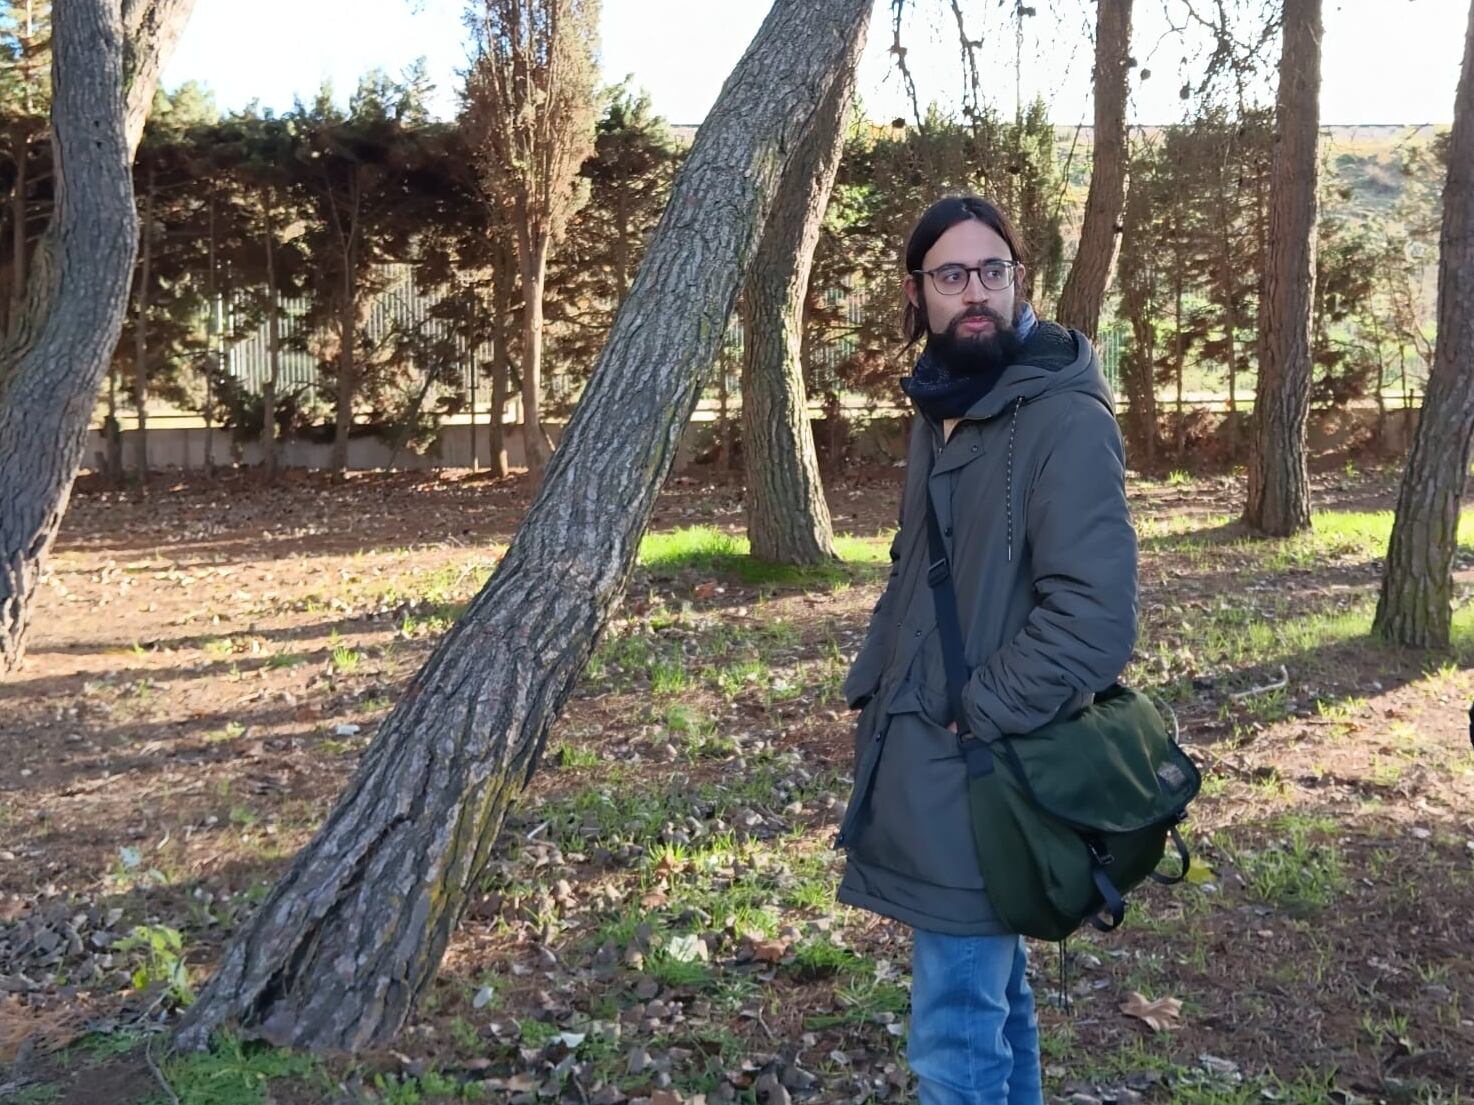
x: 682, y: 974
x: 36, y: 1095
x: 575, y: 755
x: 862, y: 1002
x: 708, y: 551
x: 1335, y: 535
x: 1302, y: 871
x: 823, y: 958
x: 345, y: 659
x: 233, y: 1073
x: 669, y: 677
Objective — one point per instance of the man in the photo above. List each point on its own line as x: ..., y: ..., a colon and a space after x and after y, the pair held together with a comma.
x: 1018, y: 452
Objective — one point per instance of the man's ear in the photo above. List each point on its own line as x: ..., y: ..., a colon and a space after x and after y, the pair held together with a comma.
x: 913, y: 293
x: 1020, y: 271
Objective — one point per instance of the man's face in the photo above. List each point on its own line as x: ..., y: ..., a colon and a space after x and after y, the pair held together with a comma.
x: 975, y: 325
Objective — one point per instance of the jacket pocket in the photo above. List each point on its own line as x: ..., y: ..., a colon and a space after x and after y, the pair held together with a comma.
x: 916, y: 819
x: 863, y: 678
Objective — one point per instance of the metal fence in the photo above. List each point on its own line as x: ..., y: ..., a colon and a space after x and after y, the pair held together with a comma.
x: 402, y: 306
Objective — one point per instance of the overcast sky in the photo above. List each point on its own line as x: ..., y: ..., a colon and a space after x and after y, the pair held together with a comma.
x: 1384, y: 61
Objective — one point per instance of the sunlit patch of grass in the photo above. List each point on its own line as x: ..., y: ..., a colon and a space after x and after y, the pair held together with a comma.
x: 707, y: 550
x: 1302, y: 870
x: 862, y: 1002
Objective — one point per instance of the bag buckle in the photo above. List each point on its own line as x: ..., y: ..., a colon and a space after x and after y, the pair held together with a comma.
x: 936, y: 572
x: 1097, y: 850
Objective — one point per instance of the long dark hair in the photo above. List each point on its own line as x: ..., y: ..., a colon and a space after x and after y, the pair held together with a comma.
x: 935, y: 221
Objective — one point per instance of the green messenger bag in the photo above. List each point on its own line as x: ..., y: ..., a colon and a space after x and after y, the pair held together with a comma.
x: 1070, y: 817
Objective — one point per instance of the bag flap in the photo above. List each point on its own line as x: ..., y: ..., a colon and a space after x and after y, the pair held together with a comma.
x: 1112, y: 768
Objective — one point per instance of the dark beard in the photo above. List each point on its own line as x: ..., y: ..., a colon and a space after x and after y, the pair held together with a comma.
x: 983, y: 355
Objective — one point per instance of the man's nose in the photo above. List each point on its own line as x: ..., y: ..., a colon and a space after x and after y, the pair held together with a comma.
x: 974, y: 292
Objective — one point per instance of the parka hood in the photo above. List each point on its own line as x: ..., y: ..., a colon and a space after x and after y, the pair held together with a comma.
x: 1053, y: 360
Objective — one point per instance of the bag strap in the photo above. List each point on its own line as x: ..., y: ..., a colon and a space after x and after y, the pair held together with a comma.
x: 949, y: 628
x: 1182, y: 854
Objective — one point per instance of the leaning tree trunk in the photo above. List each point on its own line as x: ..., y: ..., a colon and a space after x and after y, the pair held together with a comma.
x: 105, y: 65
x: 787, y: 517
x: 1085, y: 288
x: 1279, y: 485
x: 352, y: 935
x: 1417, y: 585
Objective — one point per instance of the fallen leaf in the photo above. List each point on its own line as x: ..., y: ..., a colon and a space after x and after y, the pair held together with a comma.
x: 770, y: 951
x: 689, y: 948
x: 705, y: 590
x: 655, y: 899
x: 1199, y: 872
x: 1158, y: 1015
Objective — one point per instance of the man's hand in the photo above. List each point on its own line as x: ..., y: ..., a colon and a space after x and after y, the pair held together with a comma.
x: 951, y: 727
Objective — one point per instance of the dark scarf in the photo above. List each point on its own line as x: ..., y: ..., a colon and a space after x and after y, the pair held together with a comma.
x: 939, y: 393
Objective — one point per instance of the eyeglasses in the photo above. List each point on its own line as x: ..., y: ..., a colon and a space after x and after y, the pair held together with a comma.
x: 952, y: 279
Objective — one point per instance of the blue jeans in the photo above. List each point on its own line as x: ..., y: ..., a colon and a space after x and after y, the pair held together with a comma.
x: 974, y: 1039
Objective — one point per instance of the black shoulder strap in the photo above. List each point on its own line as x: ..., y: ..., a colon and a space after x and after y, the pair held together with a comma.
x: 949, y: 629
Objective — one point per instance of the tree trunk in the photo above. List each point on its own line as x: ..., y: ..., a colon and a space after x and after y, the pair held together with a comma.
x: 269, y: 460
x: 112, y: 433
x: 501, y: 306
x: 348, y: 236
x: 1141, y: 412
x: 1085, y: 288
x: 535, y: 442
x: 105, y: 65
x: 20, y: 142
x: 1279, y: 485
x: 1179, y: 360
x: 337, y: 954
x: 787, y: 517
x: 347, y: 380
x: 140, y: 336
x: 725, y: 449
x: 1379, y: 436
x: 1415, y: 607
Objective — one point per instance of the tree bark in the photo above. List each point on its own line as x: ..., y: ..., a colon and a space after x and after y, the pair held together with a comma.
x: 112, y: 433
x: 1279, y: 485
x: 1415, y: 607
x: 348, y: 236
x: 336, y: 955
x: 1179, y: 360
x: 105, y: 64
x: 20, y: 138
x: 269, y: 460
x: 787, y: 517
x: 1085, y: 288
x: 140, y: 336
x: 535, y: 445
x: 501, y: 306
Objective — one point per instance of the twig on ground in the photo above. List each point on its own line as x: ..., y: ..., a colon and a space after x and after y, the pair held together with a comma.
x: 1280, y: 683
x: 148, y: 1055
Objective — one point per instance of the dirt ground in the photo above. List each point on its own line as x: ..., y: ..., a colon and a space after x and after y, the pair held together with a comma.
x: 209, y: 662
